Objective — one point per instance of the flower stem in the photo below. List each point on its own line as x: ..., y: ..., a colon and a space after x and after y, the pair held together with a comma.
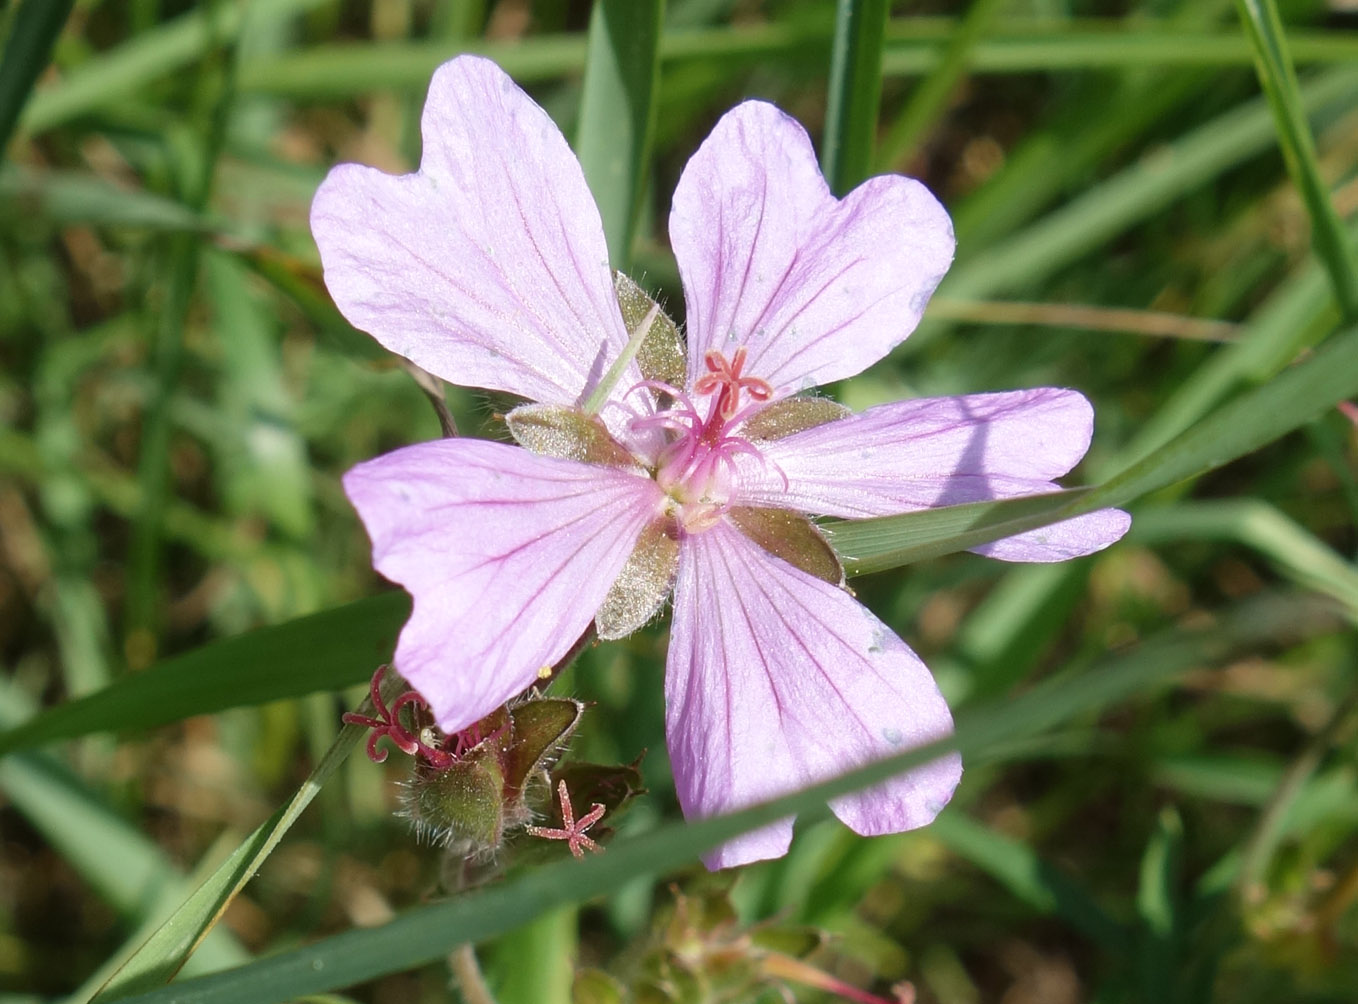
x: 467, y: 978
x: 635, y: 338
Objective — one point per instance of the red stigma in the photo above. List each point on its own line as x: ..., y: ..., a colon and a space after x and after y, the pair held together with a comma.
x: 388, y: 723
x: 725, y: 378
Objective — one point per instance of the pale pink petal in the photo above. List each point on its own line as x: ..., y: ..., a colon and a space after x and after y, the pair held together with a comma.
x: 816, y: 288
x: 488, y: 267
x: 931, y: 452
x: 507, y: 554
x: 777, y: 680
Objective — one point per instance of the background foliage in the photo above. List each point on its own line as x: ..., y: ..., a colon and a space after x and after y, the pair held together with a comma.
x: 1153, y: 205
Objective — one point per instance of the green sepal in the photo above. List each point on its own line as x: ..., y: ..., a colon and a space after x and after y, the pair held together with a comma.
x: 641, y: 587
x: 553, y: 430
x: 594, y: 986
x: 792, y: 414
x: 540, y: 725
x: 662, y: 355
x: 462, y: 805
x: 792, y: 537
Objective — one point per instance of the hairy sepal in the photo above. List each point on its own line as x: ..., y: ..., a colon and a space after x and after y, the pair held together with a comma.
x: 792, y: 537
x: 643, y: 584
x: 552, y: 430
x: 662, y: 356
x: 792, y: 414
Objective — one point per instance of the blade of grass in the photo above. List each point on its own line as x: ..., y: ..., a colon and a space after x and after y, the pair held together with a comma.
x: 427, y: 933
x: 165, y: 952
x: 932, y: 93
x: 145, y: 57
x: 1250, y: 421
x: 552, y: 942
x: 1279, y: 81
x: 193, y: 161
x: 33, y: 33
x: 1110, y: 207
x: 873, y: 545
x: 1259, y: 849
x: 72, y: 197
x: 617, y: 114
x: 265, y: 468
x: 1159, y: 908
x: 912, y: 47
x: 855, y: 94
x: 1300, y: 555
x: 325, y: 651
x: 1029, y: 878
x: 126, y: 868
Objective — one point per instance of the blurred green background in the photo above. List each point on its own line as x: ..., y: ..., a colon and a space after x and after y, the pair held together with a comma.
x: 178, y: 399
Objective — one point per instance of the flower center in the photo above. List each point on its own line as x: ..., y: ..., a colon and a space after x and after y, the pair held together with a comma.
x: 696, y: 466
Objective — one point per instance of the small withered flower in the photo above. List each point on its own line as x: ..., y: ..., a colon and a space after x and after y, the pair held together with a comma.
x: 469, y: 791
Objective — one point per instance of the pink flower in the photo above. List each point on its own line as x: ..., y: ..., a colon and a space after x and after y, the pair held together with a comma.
x: 488, y: 268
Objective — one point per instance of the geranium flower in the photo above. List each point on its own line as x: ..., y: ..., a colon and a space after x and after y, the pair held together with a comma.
x: 488, y: 268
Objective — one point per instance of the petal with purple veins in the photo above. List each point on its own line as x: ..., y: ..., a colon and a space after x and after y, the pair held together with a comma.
x: 816, y: 288
x: 929, y: 452
x: 488, y: 266
x: 507, y: 554
x: 777, y: 680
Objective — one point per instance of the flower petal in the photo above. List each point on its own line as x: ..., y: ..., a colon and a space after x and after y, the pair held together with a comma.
x: 777, y: 680
x: 817, y: 288
x: 930, y: 452
x: 507, y: 554
x: 488, y: 267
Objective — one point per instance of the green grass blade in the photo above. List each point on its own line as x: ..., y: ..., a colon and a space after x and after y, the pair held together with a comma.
x: 122, y: 864
x: 126, y: 868
x: 427, y: 933
x: 165, y: 952
x: 873, y: 545
x: 325, y: 651
x: 1158, y: 905
x: 931, y: 95
x: 145, y: 57
x: 72, y: 197
x: 1107, y: 209
x: 33, y: 33
x: 1029, y: 878
x: 551, y: 941
x: 617, y: 114
x: 1298, y: 554
x: 1250, y: 421
x: 1279, y: 81
x: 913, y: 47
x: 855, y: 92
